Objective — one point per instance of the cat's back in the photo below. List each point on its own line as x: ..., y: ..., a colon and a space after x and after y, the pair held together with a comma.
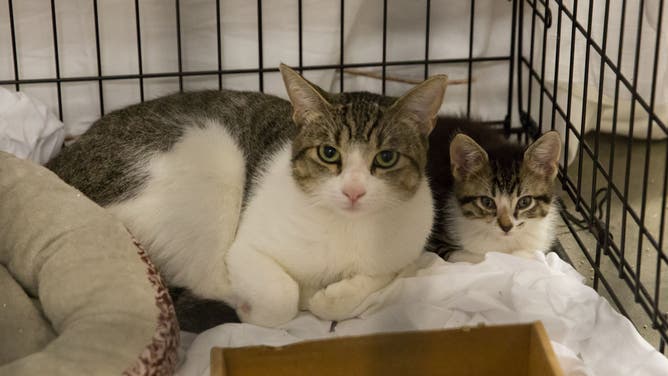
x: 108, y: 162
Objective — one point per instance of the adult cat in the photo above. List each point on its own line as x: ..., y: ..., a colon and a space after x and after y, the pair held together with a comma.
x: 242, y: 197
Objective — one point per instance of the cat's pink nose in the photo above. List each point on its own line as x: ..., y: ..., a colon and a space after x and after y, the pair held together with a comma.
x: 354, y: 193
x: 506, y: 225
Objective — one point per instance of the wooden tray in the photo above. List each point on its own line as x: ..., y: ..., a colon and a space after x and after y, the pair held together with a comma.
x: 495, y: 350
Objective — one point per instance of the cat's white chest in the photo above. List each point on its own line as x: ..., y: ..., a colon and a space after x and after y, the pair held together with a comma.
x: 317, y: 246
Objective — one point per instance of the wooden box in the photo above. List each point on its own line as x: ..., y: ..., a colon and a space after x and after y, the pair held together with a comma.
x: 494, y: 350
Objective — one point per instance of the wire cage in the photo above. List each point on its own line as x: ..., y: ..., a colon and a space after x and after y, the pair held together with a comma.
x: 574, y: 67
x: 595, y: 66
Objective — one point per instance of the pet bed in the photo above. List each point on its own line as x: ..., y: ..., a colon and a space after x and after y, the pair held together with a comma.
x: 77, y: 295
x: 588, y: 336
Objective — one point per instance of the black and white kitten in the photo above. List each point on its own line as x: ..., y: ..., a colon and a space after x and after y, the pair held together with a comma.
x: 491, y: 195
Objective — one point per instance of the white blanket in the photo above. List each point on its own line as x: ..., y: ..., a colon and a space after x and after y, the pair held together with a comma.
x: 589, y: 337
x: 27, y: 128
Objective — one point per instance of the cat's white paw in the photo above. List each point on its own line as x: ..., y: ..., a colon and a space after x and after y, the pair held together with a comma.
x: 276, y: 307
x: 337, y: 301
x: 259, y: 315
x: 263, y: 293
x: 464, y: 256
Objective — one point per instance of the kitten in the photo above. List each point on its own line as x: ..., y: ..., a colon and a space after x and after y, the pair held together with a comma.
x: 268, y: 205
x: 491, y: 195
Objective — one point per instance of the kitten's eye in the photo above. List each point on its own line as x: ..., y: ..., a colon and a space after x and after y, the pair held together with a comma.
x: 487, y: 202
x: 524, y: 202
x: 329, y: 154
x: 386, y: 158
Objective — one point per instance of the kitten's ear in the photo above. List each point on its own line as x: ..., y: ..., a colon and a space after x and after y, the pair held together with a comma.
x: 466, y: 156
x: 307, y: 100
x: 542, y: 157
x: 422, y: 102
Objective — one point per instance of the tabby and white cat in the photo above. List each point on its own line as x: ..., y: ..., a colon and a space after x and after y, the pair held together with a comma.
x: 491, y: 195
x: 242, y: 197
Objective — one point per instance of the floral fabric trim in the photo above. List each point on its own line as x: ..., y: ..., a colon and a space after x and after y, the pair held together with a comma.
x: 161, y: 355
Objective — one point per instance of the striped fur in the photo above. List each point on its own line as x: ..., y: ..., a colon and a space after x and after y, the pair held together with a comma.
x: 491, y: 194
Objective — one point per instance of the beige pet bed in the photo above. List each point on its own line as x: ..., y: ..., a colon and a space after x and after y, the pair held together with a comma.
x: 77, y: 295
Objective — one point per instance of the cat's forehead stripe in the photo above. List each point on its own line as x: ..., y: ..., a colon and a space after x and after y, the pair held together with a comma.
x: 505, y: 178
x: 346, y: 115
x: 370, y: 125
x: 367, y: 123
x: 360, y: 114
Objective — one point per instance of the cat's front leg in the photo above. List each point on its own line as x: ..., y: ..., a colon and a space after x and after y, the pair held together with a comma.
x: 339, y: 300
x: 264, y: 294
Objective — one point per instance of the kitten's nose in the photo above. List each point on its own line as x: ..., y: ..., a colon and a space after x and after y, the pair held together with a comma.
x: 506, y: 226
x: 354, y: 193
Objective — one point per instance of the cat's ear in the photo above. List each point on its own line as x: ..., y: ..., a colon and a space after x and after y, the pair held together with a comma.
x: 466, y: 157
x: 422, y: 102
x: 542, y: 157
x: 307, y: 99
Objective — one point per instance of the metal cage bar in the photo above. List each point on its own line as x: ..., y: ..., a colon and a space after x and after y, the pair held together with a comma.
x: 301, y: 35
x: 214, y: 72
x: 219, y: 51
x: 12, y: 29
x: 594, y: 195
x: 56, y: 57
x: 384, y: 62
x: 98, y: 55
x: 140, y: 67
x: 260, y: 63
x: 427, y: 22
x: 648, y: 147
x: 178, y: 43
x: 470, y: 63
x: 341, y: 43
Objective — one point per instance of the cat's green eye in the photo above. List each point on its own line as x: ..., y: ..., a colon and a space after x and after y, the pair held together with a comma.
x: 524, y: 202
x: 386, y: 158
x: 487, y: 202
x: 328, y: 154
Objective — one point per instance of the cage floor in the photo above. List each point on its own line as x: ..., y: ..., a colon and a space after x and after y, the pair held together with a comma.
x: 652, y: 222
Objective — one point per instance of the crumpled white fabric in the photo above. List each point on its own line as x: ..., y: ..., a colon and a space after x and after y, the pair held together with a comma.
x: 587, y: 334
x: 28, y: 129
